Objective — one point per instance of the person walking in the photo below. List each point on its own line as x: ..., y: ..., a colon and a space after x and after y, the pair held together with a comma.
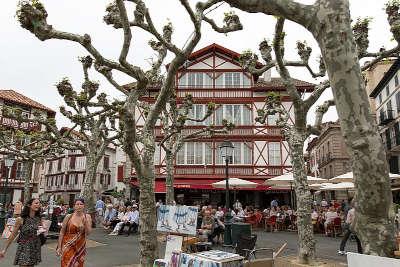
x: 72, y: 240
x: 349, y: 230
x: 29, y: 246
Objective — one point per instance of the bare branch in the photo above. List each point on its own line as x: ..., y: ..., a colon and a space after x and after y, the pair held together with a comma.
x: 319, y: 113
x: 284, y: 73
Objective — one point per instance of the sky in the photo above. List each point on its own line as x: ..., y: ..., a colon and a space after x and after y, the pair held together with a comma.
x: 32, y: 67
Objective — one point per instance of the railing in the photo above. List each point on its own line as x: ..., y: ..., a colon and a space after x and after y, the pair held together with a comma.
x: 218, y: 170
x: 8, y: 122
x: 238, y: 130
x: 215, y: 93
x: 386, y: 117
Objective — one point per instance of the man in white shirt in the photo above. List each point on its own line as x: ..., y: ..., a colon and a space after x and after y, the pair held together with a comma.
x: 349, y: 231
x: 237, y: 205
x: 330, y: 216
x: 133, y: 220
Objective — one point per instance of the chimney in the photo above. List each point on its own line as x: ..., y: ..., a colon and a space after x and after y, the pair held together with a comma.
x: 267, y: 76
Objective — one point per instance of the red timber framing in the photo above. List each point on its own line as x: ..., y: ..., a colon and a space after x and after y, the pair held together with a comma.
x: 267, y: 154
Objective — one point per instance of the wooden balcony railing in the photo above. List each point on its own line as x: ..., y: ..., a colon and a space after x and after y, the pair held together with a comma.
x: 28, y: 126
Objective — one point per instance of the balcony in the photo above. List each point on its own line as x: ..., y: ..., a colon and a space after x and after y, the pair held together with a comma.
x: 26, y: 126
x: 386, y: 117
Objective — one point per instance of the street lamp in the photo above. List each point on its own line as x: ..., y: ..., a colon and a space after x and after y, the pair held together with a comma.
x: 226, y: 151
x: 8, y: 162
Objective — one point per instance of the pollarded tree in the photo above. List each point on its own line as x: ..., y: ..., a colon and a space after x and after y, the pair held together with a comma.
x: 33, y: 17
x: 173, y: 122
x: 297, y: 132
x: 329, y: 22
x: 94, y: 118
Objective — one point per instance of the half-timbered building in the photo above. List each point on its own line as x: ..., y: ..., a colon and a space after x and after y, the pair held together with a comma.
x: 214, y: 74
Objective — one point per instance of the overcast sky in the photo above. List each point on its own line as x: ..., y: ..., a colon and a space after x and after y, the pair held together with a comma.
x: 32, y: 67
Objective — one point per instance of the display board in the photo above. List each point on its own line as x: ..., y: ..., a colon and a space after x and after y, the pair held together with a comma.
x: 177, y: 219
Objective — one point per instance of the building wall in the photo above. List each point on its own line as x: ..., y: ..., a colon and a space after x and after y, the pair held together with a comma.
x: 373, y: 76
x: 19, y: 169
x: 328, y: 153
x: 64, y: 179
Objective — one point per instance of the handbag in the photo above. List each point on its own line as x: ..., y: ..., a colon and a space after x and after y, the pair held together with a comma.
x: 43, y: 239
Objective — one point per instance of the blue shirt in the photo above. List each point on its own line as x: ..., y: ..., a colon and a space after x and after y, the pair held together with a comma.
x: 99, y: 204
x: 110, y: 214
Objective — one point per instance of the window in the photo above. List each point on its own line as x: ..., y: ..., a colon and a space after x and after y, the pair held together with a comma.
x: 232, y: 79
x: 242, y: 154
x: 72, y: 162
x: 157, y: 155
x: 182, y: 80
x: 271, y: 119
x: 76, y: 178
x: 380, y: 98
x: 198, y: 112
x: 195, y: 153
x: 274, y: 153
x: 106, y: 164
x: 238, y: 114
x: 199, y: 79
x: 67, y: 179
x: 387, y: 90
x: 191, y: 79
x: 398, y: 101
x: 50, y: 166
x: 59, y: 165
x: 396, y: 80
x: 21, y: 171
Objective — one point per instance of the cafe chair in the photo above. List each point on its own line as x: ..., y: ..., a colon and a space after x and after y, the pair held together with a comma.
x: 246, y: 247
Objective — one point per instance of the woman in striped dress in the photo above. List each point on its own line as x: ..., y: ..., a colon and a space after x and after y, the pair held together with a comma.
x: 72, y: 241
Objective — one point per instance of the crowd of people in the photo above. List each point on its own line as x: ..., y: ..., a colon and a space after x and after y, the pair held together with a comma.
x: 118, y: 216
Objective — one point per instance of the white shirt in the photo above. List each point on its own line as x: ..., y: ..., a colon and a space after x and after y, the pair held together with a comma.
x: 219, y: 214
x: 330, y: 216
x: 133, y: 216
x: 324, y: 203
x: 121, y: 215
x: 350, y: 216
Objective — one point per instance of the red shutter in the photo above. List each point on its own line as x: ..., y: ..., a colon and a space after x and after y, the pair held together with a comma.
x: 14, y: 170
x: 120, y: 176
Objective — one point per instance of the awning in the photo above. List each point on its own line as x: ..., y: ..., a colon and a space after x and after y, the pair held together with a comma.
x: 159, y: 186
x: 203, y: 184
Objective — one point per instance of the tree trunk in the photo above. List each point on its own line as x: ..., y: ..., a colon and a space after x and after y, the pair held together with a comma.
x: 306, y: 241
x: 87, y: 191
x: 169, y: 180
x: 27, y: 182
x: 364, y: 145
x: 127, y: 178
x: 147, y: 211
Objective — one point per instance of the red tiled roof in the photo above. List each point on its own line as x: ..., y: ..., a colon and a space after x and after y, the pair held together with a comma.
x: 15, y: 97
x: 276, y: 84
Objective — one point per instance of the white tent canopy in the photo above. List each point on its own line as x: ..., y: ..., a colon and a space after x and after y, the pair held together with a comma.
x: 235, y: 183
x: 287, y: 179
x: 348, y: 177
x: 318, y: 186
x: 339, y: 186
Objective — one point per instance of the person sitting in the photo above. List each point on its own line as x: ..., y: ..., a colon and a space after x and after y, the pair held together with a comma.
x: 132, y: 222
x: 330, y: 216
x: 118, y: 218
x: 207, y: 226
x: 123, y: 219
x: 110, y: 214
x: 219, y: 213
x: 219, y: 229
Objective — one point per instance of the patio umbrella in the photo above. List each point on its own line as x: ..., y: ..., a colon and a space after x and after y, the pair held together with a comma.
x: 235, y: 183
x: 318, y: 186
x: 287, y: 179
x: 348, y: 177
x: 339, y: 186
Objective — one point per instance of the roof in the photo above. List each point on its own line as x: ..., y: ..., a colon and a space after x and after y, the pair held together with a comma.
x: 386, y: 78
x: 17, y: 98
x: 276, y: 84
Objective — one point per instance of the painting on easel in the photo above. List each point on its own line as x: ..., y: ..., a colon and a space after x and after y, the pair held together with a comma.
x: 177, y: 219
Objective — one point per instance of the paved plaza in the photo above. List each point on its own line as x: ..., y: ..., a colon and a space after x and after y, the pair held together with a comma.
x: 123, y: 251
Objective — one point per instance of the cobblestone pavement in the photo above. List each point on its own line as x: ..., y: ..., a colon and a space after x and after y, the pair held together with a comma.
x: 122, y: 251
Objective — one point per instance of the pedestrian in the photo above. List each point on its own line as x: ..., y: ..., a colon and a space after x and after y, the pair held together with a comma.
x: 349, y: 230
x: 29, y: 245
x: 72, y: 240
x: 100, y: 205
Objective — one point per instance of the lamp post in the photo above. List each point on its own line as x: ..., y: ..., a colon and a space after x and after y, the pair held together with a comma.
x: 226, y: 151
x: 8, y: 162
